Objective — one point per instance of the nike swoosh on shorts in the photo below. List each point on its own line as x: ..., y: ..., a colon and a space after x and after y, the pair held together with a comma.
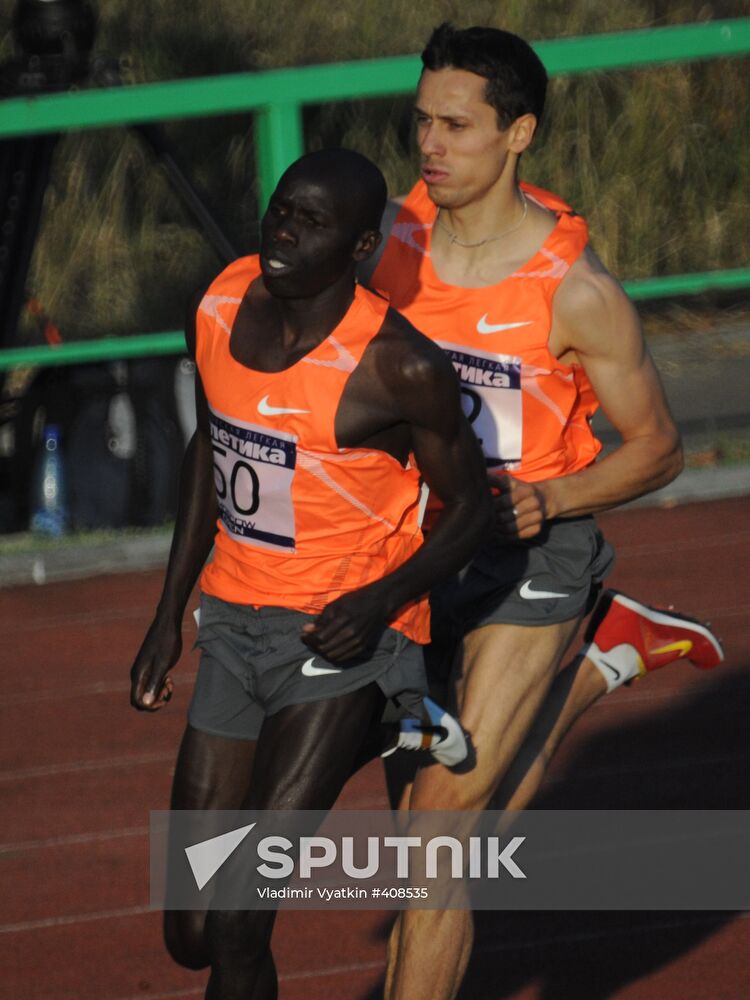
x: 310, y: 670
x: 537, y: 595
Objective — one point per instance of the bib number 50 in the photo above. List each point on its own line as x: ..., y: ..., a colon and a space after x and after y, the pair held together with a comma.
x: 242, y: 492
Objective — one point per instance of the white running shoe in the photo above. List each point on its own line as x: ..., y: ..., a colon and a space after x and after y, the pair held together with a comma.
x: 438, y: 732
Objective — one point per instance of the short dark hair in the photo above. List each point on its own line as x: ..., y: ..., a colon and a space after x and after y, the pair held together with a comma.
x: 516, y: 78
x: 359, y: 183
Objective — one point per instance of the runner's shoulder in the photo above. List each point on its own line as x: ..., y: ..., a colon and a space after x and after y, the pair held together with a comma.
x: 591, y: 305
x: 587, y: 289
x: 408, y: 358
x: 589, y: 281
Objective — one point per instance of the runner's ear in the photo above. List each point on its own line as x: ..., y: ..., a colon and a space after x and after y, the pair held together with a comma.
x: 367, y: 244
x: 367, y: 268
x: 521, y: 132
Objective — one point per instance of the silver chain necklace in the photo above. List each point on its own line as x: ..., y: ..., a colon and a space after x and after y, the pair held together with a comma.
x: 489, y: 239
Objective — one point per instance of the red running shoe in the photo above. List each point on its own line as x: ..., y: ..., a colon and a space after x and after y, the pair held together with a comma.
x: 628, y: 639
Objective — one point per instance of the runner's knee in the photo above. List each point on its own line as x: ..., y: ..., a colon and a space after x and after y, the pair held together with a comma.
x: 185, y: 940
x: 212, y: 772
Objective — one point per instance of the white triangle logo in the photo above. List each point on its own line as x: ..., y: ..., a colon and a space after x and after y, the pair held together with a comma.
x: 207, y: 857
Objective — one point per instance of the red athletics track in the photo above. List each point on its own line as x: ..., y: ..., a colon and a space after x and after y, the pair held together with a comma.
x: 80, y: 771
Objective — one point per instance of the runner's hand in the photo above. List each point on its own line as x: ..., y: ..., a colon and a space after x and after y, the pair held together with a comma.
x: 150, y: 684
x: 345, y: 628
x: 520, y: 510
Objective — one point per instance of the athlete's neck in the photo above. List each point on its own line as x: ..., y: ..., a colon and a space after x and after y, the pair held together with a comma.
x: 311, y: 320
x: 271, y: 333
x: 521, y: 227
x: 481, y: 223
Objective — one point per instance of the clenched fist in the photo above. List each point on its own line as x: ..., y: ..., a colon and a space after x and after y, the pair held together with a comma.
x: 520, y: 509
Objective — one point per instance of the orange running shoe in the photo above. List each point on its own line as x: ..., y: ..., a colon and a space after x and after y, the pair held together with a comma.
x: 628, y: 639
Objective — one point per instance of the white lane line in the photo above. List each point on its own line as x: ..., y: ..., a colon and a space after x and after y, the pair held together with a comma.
x: 74, y: 918
x: 336, y: 970
x: 58, y: 694
x: 86, y: 618
x: 49, y: 770
x: 82, y: 690
x: 199, y: 991
x: 64, y: 840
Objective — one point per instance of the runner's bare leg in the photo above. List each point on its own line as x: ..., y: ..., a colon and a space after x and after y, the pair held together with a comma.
x: 505, y: 675
x: 212, y: 772
x: 575, y: 688
x: 304, y: 756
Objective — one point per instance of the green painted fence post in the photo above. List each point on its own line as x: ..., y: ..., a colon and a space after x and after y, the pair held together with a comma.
x: 279, y: 141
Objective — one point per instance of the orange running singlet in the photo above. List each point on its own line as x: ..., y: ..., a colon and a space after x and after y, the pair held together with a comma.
x: 530, y: 412
x: 302, y: 521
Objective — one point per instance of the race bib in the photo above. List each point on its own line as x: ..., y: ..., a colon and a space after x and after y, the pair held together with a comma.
x: 253, y: 473
x: 492, y: 400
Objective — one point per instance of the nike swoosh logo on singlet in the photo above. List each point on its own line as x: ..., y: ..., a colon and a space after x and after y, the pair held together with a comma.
x: 310, y: 670
x: 267, y: 410
x: 484, y: 327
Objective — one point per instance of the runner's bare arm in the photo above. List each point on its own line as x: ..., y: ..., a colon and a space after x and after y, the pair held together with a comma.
x: 595, y: 323
x: 425, y: 395
x: 195, y: 527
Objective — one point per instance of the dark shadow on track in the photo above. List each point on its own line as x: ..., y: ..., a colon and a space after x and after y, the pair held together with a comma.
x: 694, y: 756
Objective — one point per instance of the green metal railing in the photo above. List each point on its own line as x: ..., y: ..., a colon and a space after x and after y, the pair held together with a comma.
x: 276, y: 98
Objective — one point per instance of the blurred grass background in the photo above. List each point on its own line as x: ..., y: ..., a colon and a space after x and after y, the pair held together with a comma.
x: 657, y: 160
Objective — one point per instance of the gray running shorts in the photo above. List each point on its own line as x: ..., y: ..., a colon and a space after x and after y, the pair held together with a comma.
x: 543, y: 581
x: 253, y: 663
